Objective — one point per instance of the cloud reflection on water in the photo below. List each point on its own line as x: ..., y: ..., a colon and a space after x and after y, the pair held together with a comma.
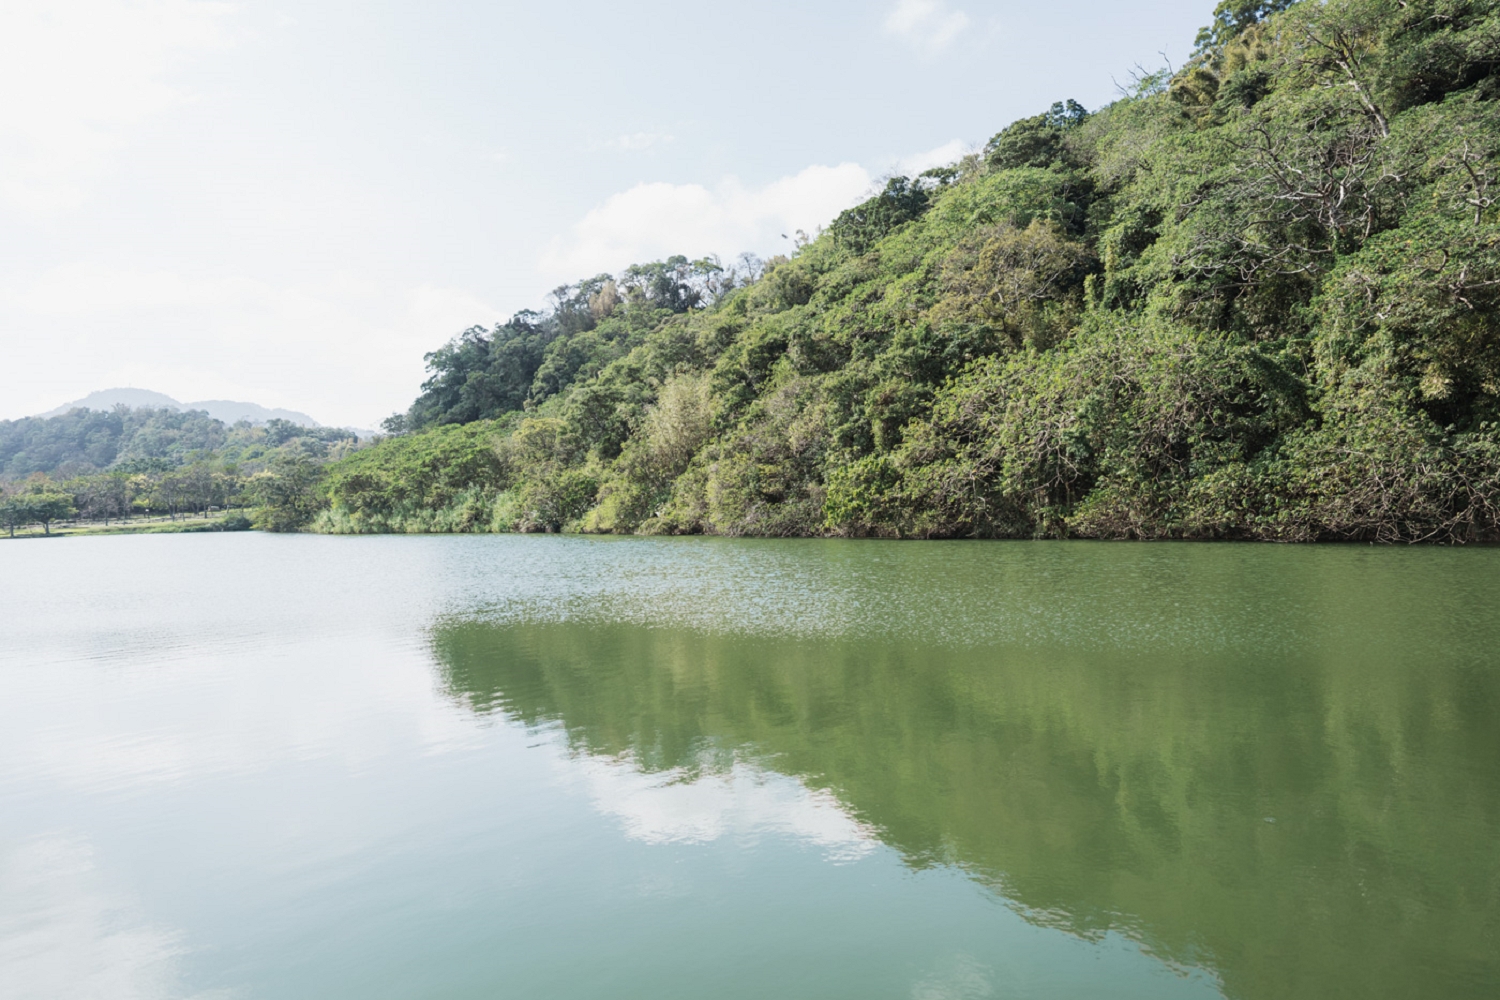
x: 64, y: 933
x: 745, y: 802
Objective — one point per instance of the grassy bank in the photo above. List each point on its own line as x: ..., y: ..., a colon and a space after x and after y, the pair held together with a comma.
x: 231, y: 521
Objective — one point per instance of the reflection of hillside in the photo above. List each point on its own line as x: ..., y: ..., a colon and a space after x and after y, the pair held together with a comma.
x: 1096, y: 791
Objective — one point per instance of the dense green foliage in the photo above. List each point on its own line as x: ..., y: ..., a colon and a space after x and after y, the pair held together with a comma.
x: 91, y: 440
x: 1256, y: 299
x: 107, y: 466
x: 84, y: 441
x: 41, y: 504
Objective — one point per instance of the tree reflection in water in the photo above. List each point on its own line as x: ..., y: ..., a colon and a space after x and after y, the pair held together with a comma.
x: 1317, y: 822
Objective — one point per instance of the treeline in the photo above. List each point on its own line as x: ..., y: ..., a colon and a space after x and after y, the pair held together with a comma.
x: 1257, y: 298
x: 84, y: 441
x: 102, y: 467
x: 195, y: 489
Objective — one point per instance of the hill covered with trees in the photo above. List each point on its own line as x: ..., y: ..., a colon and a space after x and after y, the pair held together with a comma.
x: 1257, y: 298
x: 105, y: 466
x: 83, y: 441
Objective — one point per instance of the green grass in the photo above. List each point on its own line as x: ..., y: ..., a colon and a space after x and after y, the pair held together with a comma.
x: 229, y: 521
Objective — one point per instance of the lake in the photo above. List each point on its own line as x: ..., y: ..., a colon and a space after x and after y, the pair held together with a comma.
x: 256, y: 766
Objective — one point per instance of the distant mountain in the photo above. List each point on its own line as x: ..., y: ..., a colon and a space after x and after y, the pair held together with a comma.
x: 226, y: 410
x: 108, y: 399
x: 231, y: 412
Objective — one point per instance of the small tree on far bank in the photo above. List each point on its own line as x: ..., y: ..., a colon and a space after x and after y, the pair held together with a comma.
x: 36, y: 506
x: 48, y: 507
x: 13, y: 512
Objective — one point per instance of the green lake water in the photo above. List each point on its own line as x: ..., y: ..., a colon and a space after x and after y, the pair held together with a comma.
x: 250, y: 766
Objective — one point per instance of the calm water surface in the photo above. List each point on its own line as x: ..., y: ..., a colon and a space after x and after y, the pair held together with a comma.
x: 248, y: 766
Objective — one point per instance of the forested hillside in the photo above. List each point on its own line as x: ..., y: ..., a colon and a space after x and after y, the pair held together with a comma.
x: 103, y: 466
x: 1256, y: 298
x: 84, y: 441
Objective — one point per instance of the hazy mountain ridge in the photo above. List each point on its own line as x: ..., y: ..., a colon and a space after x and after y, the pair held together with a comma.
x: 227, y: 410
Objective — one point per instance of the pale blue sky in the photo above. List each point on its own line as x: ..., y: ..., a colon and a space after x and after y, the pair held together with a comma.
x: 290, y: 201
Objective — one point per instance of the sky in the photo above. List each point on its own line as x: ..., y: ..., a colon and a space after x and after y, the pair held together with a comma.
x: 291, y: 201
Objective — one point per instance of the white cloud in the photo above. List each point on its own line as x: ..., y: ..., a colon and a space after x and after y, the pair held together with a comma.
x: 654, y: 220
x: 76, y: 77
x: 949, y: 152
x: 929, y: 25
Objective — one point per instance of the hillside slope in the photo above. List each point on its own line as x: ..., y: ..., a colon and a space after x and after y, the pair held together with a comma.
x: 1259, y: 298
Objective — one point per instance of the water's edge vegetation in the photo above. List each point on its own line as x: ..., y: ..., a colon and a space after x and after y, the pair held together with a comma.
x: 1256, y: 298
